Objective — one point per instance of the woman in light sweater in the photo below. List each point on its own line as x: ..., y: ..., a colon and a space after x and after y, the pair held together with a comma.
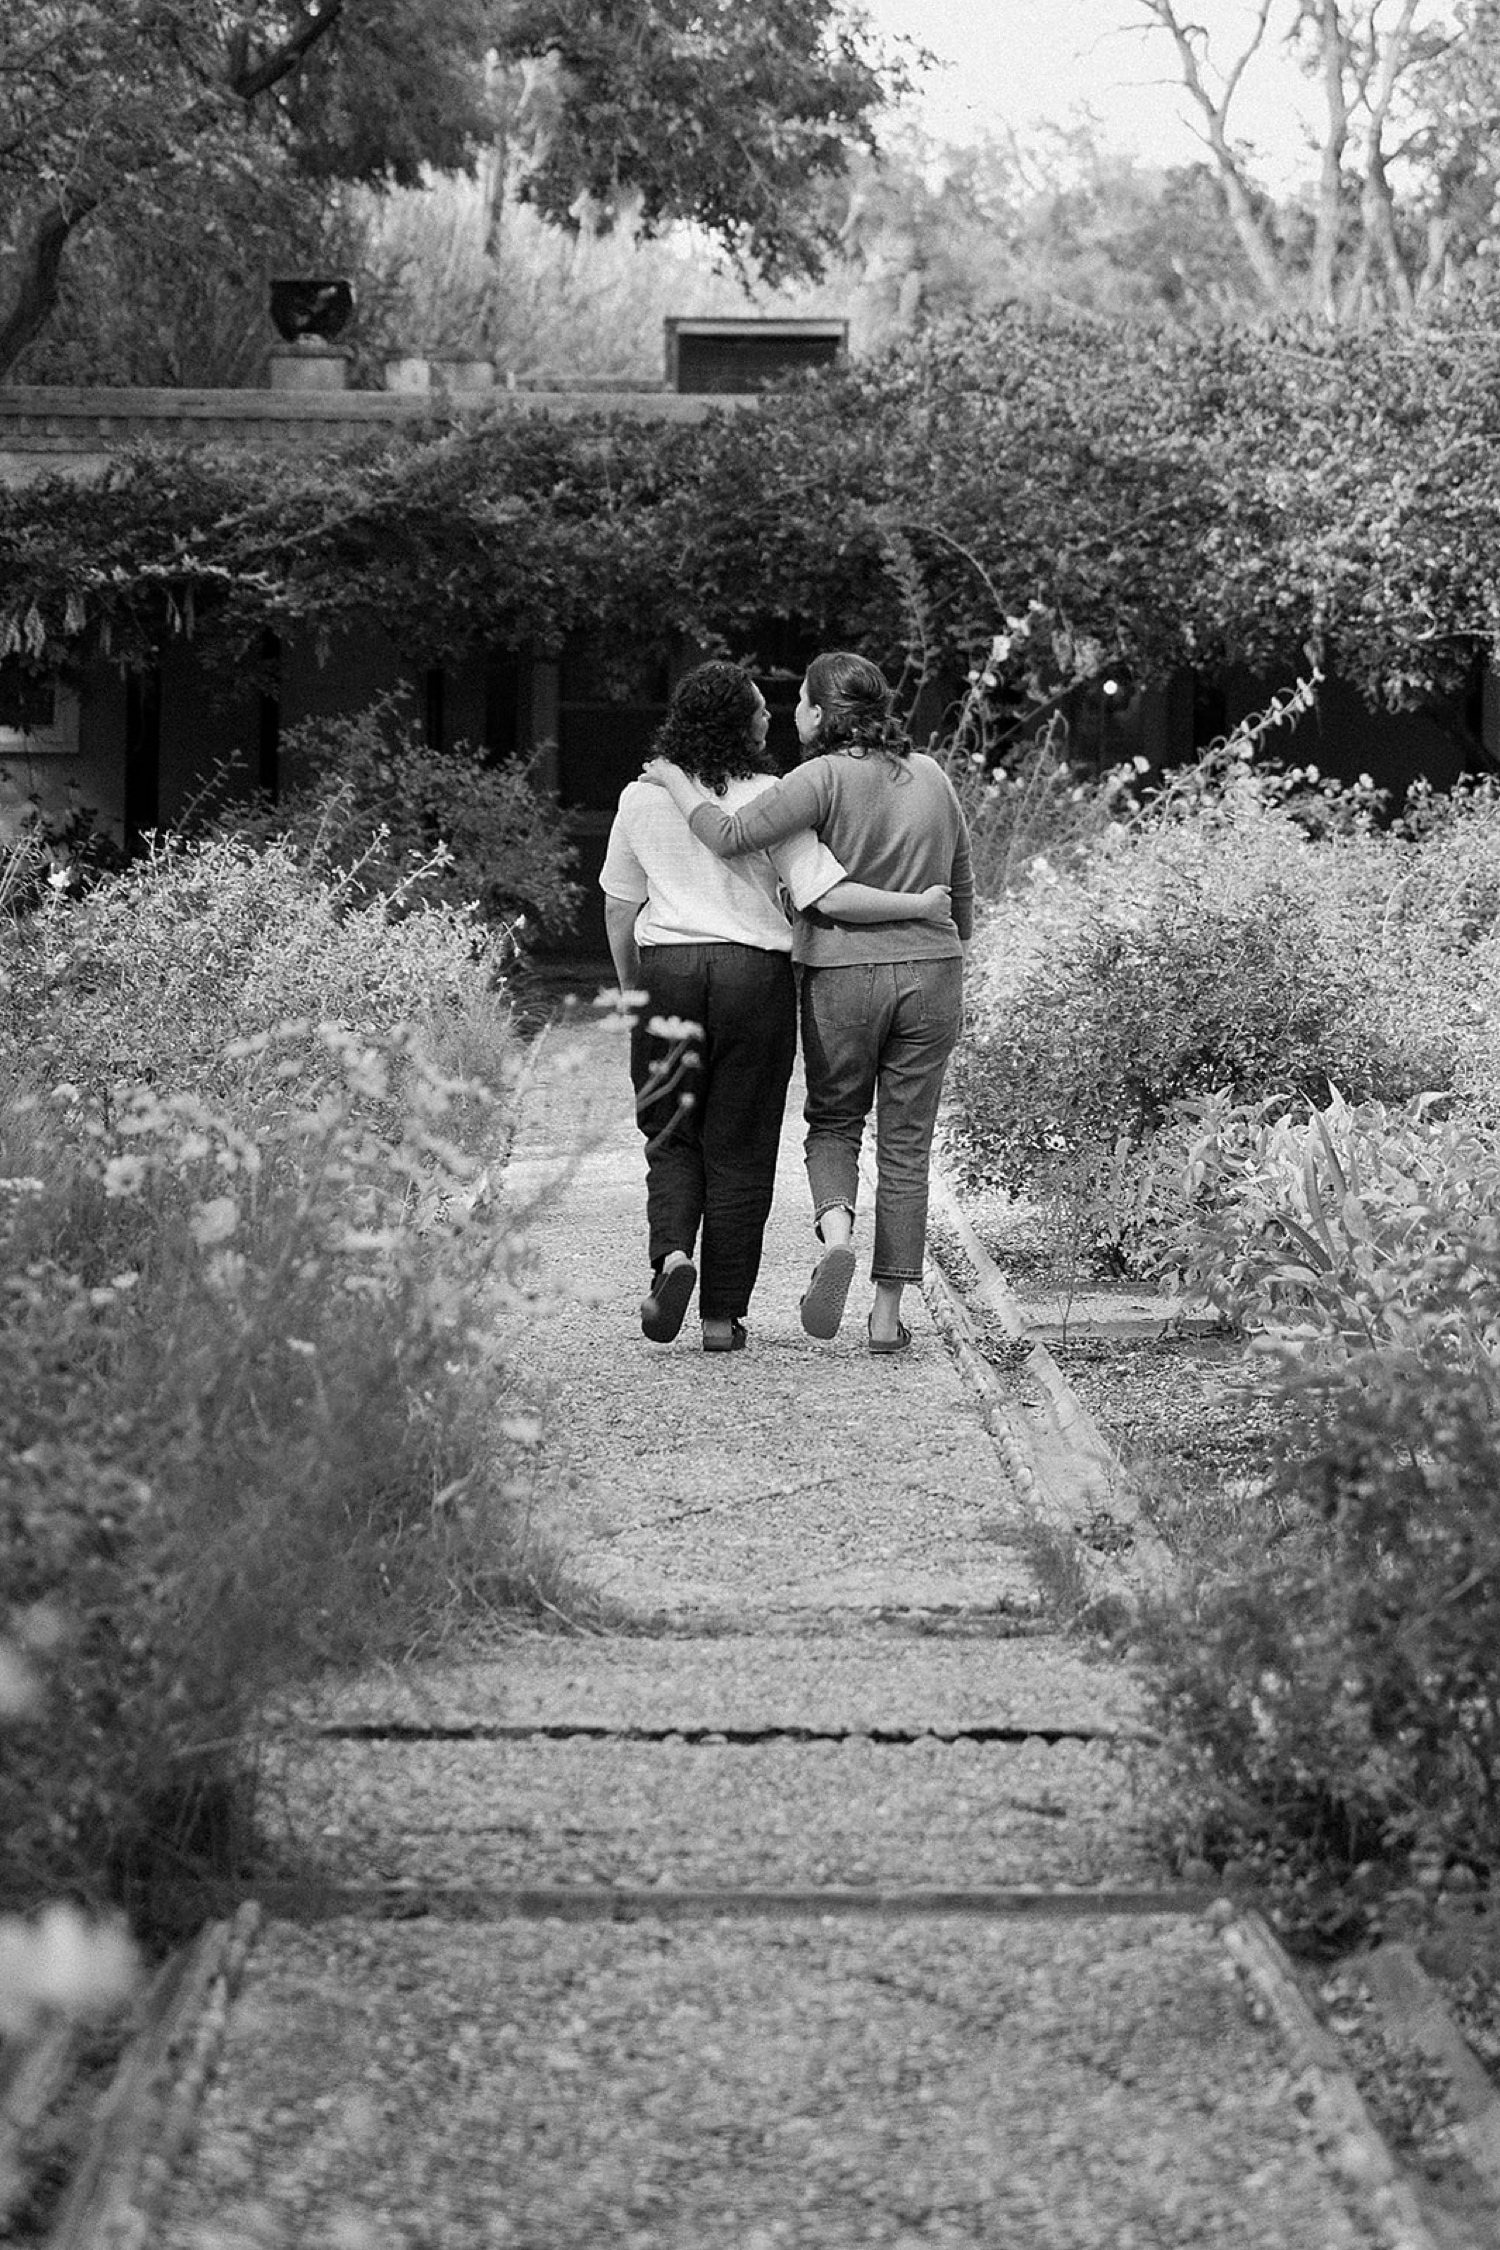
x: 712, y: 1048
x: 882, y: 1003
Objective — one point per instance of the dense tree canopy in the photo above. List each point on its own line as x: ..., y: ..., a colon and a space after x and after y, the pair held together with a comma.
x: 729, y: 115
x: 149, y: 115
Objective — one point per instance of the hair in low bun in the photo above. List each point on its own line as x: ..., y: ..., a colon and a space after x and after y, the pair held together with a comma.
x: 855, y: 700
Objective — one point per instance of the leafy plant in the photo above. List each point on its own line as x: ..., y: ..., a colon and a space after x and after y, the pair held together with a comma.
x: 1145, y: 1000
x: 392, y: 819
x: 1178, y: 499
x: 1343, y: 1231
x: 251, y: 1417
x: 1237, y: 937
x: 1026, y: 806
x: 1333, y: 1695
x: 158, y: 971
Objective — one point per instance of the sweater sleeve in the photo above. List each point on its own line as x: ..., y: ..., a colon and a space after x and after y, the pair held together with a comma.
x: 800, y: 800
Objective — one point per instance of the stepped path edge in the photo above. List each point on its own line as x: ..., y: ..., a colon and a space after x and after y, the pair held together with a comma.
x: 833, y: 1672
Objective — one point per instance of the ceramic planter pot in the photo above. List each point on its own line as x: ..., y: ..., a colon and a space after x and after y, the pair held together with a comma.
x: 311, y: 305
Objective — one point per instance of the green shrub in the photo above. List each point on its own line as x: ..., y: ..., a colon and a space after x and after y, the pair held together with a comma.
x: 1079, y: 1065
x: 1343, y: 1231
x: 1235, y: 939
x: 1249, y: 1041
x: 400, y: 821
x: 1333, y: 1690
x: 1033, y: 807
x: 251, y: 1417
x: 1451, y: 888
x: 157, y: 972
x: 46, y: 852
x: 1332, y: 1696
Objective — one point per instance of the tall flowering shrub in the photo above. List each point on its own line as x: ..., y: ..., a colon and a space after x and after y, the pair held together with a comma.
x: 251, y: 1416
x: 1250, y: 1037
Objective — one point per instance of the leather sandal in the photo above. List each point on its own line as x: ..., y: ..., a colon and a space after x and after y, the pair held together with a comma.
x: 734, y: 1342
x: 883, y: 1348
x: 666, y: 1301
x: 822, y: 1304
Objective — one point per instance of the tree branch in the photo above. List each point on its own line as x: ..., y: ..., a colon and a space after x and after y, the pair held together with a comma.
x: 40, y: 265
x: 249, y: 80
x: 1254, y: 240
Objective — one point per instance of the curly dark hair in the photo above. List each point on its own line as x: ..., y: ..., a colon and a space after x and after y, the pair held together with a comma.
x: 707, y: 727
x: 855, y: 700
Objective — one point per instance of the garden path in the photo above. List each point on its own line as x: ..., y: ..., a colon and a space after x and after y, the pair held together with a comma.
x: 814, y: 1903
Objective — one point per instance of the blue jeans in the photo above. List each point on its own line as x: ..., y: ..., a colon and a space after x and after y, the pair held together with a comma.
x: 713, y: 1161
x: 879, y: 1034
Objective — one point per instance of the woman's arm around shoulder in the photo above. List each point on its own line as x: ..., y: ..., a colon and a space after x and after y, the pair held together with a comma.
x: 800, y: 800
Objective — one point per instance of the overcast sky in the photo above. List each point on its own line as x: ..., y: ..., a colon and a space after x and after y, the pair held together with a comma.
x: 1015, y: 61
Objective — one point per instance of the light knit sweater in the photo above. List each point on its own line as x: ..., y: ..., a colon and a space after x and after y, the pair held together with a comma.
x: 895, y: 823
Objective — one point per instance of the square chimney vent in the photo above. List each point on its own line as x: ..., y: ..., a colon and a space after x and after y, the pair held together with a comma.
x: 744, y: 355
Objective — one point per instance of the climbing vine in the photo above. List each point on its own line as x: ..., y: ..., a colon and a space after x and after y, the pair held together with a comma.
x: 1175, y: 497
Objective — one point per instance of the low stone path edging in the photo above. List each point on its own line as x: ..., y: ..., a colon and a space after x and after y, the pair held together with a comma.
x: 815, y: 1907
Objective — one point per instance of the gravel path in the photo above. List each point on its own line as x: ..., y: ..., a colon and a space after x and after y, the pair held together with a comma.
x: 854, y: 1680
x: 778, y: 1814
x: 802, y: 1545
x: 792, y: 1478
x: 817, y: 2086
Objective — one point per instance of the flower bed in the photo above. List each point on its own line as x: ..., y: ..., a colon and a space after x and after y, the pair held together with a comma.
x: 1239, y: 1048
x: 250, y: 1414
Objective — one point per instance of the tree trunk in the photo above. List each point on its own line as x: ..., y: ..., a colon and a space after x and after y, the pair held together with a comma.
x: 39, y: 259
x: 249, y: 79
x: 1377, y: 205
x: 1436, y: 277
x: 1360, y: 51
x: 1257, y: 244
x: 1377, y: 211
x: 1328, y: 223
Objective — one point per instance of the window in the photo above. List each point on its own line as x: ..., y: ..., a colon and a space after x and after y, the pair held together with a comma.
x: 607, y: 717
x: 37, y: 713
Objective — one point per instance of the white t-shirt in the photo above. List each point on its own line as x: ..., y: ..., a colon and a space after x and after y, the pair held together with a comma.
x: 686, y: 895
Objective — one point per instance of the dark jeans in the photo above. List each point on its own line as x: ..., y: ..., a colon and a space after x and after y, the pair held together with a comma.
x: 881, y: 1028
x: 713, y: 1160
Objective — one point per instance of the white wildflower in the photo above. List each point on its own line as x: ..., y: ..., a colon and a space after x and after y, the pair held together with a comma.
x: 214, y: 1221
x: 64, y: 1962
x: 124, y: 1175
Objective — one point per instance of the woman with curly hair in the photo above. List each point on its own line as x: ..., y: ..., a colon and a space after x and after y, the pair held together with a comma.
x: 881, y: 1004
x: 711, y: 947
